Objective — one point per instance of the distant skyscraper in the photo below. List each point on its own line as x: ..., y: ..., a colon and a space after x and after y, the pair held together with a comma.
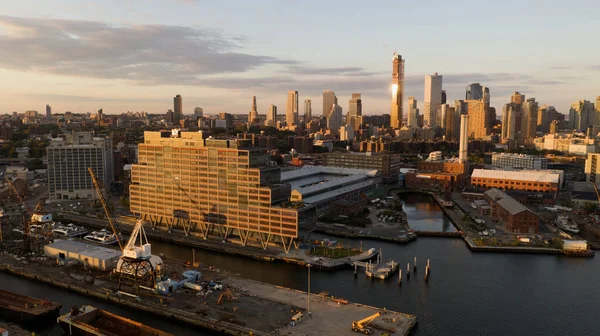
x: 291, y: 111
x: 529, y: 121
x: 355, y: 111
x: 177, y: 109
x: 329, y: 99
x: 169, y: 116
x: 509, y: 113
x: 598, y: 103
x: 517, y: 98
x: 307, y: 111
x: 478, y: 119
x: 545, y: 113
x: 444, y: 97
x: 582, y: 115
x: 272, y: 116
x: 432, y: 99
x: 49, y: 112
x: 253, y: 115
x: 397, y: 91
x: 100, y: 116
x: 334, y: 120
x: 464, y: 142
x: 198, y: 112
x: 474, y: 92
x: 413, y: 113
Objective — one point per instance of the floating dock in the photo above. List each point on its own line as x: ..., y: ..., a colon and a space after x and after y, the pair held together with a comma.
x: 26, y: 310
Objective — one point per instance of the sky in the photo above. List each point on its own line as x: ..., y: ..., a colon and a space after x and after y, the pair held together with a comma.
x: 136, y: 55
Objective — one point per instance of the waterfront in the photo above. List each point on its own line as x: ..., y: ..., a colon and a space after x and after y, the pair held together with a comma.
x: 467, y: 294
x: 424, y: 214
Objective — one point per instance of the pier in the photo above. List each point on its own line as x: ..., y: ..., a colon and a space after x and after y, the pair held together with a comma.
x: 252, y: 307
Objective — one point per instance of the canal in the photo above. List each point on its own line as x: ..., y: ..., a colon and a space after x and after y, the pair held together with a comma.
x: 467, y: 293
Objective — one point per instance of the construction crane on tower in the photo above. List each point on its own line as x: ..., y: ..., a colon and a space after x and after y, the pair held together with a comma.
x: 137, y: 267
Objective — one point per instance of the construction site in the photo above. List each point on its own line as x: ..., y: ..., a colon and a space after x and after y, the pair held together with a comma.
x: 130, y: 275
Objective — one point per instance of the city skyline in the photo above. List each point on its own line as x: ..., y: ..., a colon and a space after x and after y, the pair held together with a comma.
x: 221, y: 65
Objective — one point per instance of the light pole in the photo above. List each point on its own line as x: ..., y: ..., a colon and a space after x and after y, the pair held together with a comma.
x: 308, y: 293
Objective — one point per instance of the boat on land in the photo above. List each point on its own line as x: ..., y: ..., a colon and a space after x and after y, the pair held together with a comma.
x: 27, y: 311
x: 88, y: 320
x: 69, y: 231
x: 566, y: 224
x: 103, y: 237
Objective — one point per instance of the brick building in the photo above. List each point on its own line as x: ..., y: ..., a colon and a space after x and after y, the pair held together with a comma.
x: 539, y: 181
x: 516, y: 217
x: 438, y: 175
x: 388, y: 164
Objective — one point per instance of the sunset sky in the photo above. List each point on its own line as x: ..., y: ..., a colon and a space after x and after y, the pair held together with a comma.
x: 134, y: 55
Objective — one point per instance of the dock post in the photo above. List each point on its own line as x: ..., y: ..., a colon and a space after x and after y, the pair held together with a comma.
x: 415, y: 265
x: 427, y: 273
x: 400, y: 277
x: 407, y: 271
x: 428, y: 266
x: 355, y: 269
x: 193, y: 257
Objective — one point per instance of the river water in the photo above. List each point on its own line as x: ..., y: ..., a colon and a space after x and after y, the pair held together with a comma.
x: 467, y: 293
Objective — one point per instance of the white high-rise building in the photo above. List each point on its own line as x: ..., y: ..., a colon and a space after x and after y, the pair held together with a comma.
x: 432, y: 99
x: 464, y: 142
x: 346, y: 133
x: 509, y: 121
x: 413, y: 113
x: 334, y: 120
x: 68, y: 161
x: 291, y: 110
x: 271, y: 116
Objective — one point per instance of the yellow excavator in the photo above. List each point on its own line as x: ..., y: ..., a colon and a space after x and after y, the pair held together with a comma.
x: 362, y: 326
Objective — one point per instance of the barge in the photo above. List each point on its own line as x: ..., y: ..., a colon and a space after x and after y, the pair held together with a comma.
x: 88, y: 321
x: 27, y: 311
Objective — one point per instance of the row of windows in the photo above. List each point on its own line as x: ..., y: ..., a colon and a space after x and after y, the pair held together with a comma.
x: 507, y: 182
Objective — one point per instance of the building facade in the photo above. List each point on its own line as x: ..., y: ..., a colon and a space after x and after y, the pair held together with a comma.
x: 177, y: 109
x: 68, y: 161
x: 582, y: 114
x: 307, y: 111
x: 530, y: 181
x: 507, y: 160
x: 516, y: 217
x: 355, y: 111
x: 478, y: 119
x: 432, y: 99
x: 291, y: 110
x: 334, y: 119
x: 211, y: 186
x: 329, y: 99
x: 397, y: 91
x: 592, y: 168
x: 387, y: 163
x: 413, y: 113
x: 271, y: 116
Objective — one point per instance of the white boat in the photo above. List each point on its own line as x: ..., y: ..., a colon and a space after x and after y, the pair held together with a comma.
x: 474, y: 206
x: 69, y: 231
x: 565, y: 224
x: 103, y: 237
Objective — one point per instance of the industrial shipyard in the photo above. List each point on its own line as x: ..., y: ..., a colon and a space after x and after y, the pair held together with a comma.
x: 183, y: 213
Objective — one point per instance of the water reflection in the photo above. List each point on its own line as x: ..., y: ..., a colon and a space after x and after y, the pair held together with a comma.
x: 424, y: 214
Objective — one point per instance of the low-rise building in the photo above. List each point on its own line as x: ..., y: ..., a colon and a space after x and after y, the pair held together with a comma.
x: 437, y: 175
x: 516, y: 217
x: 539, y: 181
x: 387, y: 163
x: 92, y: 256
x: 519, y: 161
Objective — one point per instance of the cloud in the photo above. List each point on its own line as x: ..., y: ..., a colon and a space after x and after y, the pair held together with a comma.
x: 339, y: 71
x: 594, y: 67
x: 146, y: 54
x: 560, y: 67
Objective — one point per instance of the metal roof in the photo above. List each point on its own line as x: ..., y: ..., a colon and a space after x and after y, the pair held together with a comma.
x: 508, y: 203
x: 518, y: 175
x: 335, y: 194
x: 86, y: 250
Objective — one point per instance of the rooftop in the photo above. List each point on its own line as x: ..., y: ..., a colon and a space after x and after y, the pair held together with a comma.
x: 514, y: 155
x: 86, y: 250
x: 508, y: 203
x: 519, y: 175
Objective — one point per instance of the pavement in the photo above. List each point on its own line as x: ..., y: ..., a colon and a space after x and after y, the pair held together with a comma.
x: 327, y: 317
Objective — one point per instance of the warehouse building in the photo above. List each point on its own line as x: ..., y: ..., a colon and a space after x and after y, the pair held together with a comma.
x: 318, y: 186
x: 516, y: 217
x: 388, y: 164
x: 90, y: 255
x: 538, y: 181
